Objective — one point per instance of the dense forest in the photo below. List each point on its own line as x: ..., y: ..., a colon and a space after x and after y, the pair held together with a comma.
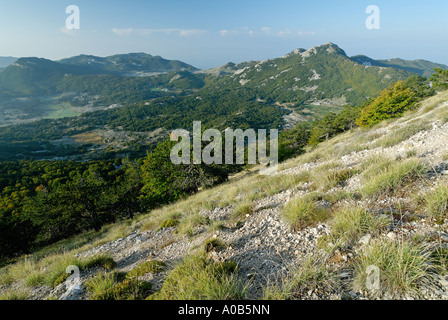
x: 218, y: 109
x: 45, y: 201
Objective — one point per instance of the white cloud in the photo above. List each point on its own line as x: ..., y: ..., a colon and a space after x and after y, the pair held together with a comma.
x: 238, y: 31
x: 243, y: 31
x: 266, y: 30
x: 122, y: 32
x: 285, y: 32
x: 167, y: 31
x: 69, y: 32
x: 302, y: 33
x: 224, y: 32
x: 190, y: 32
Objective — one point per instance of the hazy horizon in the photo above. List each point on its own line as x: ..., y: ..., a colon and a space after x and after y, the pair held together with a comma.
x: 236, y: 62
x: 208, y: 34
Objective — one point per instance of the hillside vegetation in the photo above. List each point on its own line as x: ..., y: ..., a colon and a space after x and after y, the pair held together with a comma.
x: 361, y: 194
x: 320, y: 75
x: 93, y: 96
x: 420, y: 67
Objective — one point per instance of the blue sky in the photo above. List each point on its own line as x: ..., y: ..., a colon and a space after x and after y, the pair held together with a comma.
x: 208, y: 33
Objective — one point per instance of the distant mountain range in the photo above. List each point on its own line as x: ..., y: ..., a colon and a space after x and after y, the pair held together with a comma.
x: 32, y: 75
x: 6, y: 61
x: 132, y: 64
x: 420, y: 67
x: 320, y: 75
x: 137, y: 93
x: 32, y: 88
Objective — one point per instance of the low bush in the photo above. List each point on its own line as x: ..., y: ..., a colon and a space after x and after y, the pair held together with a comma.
x: 152, y: 266
x: 403, y: 269
x: 302, y: 212
x: 392, y: 103
x: 393, y: 177
x: 103, y: 261
x: 349, y: 224
x: 168, y: 224
x: 242, y: 210
x: 113, y: 286
x: 436, y: 202
x: 310, y: 275
x: 213, y: 244
x: 198, y: 278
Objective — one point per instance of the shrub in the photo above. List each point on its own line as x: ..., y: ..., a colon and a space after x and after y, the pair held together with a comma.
x: 324, y: 129
x: 198, y: 278
x: 165, y: 182
x: 393, y: 177
x: 103, y: 261
x: 350, y: 224
x: 169, y: 223
x: 332, y: 124
x: 302, y: 212
x: 18, y: 295
x: 437, y: 202
x: 190, y: 222
x: 310, y: 275
x: 392, y: 103
x: 328, y: 176
x: 152, y: 266
x: 213, y: 244
x: 403, y: 268
x: 113, y: 286
x: 292, y: 142
x: 242, y: 210
x: 440, y: 79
